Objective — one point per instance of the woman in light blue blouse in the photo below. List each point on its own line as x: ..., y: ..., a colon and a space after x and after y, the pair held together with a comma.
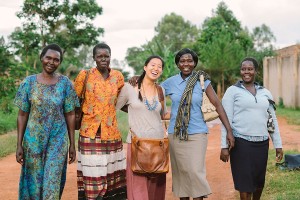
x: 187, y: 130
x: 46, y: 120
x: 246, y: 104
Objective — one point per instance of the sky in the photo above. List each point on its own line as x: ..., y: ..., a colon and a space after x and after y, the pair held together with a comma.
x: 131, y: 23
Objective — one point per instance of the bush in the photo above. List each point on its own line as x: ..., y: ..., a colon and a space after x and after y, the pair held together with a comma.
x: 8, y: 115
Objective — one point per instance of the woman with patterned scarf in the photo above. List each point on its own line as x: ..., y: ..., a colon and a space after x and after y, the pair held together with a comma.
x: 187, y: 130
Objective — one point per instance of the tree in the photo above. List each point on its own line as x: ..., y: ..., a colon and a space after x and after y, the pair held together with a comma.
x: 175, y: 33
x: 222, y: 44
x: 117, y: 65
x: 67, y: 23
x: 263, y: 40
x: 262, y: 37
x: 10, y: 74
x: 171, y: 28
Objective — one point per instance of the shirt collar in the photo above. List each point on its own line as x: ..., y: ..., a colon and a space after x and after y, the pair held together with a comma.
x: 181, y: 80
x: 240, y: 85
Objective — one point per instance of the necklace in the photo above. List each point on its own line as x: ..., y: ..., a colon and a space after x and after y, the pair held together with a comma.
x: 150, y: 105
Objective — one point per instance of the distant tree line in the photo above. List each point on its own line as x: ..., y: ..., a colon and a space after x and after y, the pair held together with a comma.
x: 221, y: 42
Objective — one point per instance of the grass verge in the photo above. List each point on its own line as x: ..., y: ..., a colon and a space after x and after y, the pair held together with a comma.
x: 281, y: 184
x: 292, y: 115
x: 8, y: 144
x: 8, y: 121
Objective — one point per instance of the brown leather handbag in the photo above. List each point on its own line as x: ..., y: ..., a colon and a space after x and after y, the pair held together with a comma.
x: 149, y: 156
x: 78, y: 110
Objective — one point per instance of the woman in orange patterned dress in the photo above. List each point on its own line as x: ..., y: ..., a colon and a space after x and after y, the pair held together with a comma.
x: 101, y: 159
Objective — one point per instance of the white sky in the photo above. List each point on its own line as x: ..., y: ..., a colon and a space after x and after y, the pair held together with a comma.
x: 129, y: 23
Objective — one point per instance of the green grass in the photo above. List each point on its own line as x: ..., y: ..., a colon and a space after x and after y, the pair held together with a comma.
x: 123, y: 126
x: 281, y: 184
x: 8, y: 144
x: 292, y: 115
x: 8, y: 121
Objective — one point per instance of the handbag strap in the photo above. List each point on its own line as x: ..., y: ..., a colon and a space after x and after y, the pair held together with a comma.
x: 202, y: 82
x: 272, y: 103
x: 161, y: 98
x: 82, y: 95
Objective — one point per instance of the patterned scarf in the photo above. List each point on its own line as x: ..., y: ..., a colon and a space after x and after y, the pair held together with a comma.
x: 183, y: 113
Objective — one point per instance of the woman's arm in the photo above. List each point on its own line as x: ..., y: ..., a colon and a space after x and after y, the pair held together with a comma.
x: 70, y: 120
x: 276, y: 139
x: 222, y: 114
x: 21, y: 127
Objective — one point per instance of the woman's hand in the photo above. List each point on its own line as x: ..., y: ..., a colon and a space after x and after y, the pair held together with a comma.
x: 279, y: 154
x: 19, y: 155
x: 230, y: 140
x: 224, y: 155
x: 72, y: 154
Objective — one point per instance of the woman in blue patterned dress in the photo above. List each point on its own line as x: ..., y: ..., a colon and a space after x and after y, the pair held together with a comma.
x: 45, y: 121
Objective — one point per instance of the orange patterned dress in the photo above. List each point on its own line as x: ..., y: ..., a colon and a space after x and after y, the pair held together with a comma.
x: 99, y: 106
x: 101, y: 159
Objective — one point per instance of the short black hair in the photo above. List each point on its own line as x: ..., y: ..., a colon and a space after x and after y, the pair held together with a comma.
x: 186, y: 51
x: 54, y: 47
x: 101, y: 46
x: 253, y: 60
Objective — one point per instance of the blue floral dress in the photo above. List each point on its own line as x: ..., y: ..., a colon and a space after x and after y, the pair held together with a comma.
x: 45, y: 142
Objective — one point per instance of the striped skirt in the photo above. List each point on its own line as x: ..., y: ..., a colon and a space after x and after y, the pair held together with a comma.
x: 101, y: 169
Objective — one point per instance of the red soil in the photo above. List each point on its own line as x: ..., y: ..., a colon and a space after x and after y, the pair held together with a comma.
x: 218, y: 173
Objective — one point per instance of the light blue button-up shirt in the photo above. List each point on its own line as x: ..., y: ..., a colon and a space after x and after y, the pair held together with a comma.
x: 174, y: 87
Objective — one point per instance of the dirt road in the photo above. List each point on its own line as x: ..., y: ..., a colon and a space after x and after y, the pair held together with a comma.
x: 218, y: 173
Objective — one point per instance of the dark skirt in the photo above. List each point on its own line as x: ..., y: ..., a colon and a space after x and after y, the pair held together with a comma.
x: 248, y: 164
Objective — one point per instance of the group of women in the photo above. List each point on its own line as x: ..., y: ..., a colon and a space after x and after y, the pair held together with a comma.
x: 46, y: 120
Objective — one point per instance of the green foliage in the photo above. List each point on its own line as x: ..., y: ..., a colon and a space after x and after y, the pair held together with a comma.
x: 135, y: 58
x: 8, y: 120
x: 280, y: 103
x: 123, y: 126
x: 292, y: 115
x: 262, y: 38
x: 67, y: 23
x: 170, y: 68
x: 120, y: 66
x: 172, y: 34
x: 221, y: 45
x: 8, y: 144
x: 281, y: 184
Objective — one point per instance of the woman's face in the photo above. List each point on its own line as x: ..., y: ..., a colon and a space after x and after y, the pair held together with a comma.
x: 50, y: 61
x: 248, y: 72
x: 102, y: 59
x: 186, y: 64
x: 153, y: 69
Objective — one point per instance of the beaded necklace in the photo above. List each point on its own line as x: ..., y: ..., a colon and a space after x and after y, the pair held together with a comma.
x: 150, y: 105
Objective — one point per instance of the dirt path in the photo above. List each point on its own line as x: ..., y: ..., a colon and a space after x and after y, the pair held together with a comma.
x: 218, y: 173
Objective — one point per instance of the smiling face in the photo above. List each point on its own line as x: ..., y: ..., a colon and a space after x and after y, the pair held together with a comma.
x: 50, y: 61
x: 153, y: 69
x: 186, y: 65
x: 248, y: 72
x: 102, y: 59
